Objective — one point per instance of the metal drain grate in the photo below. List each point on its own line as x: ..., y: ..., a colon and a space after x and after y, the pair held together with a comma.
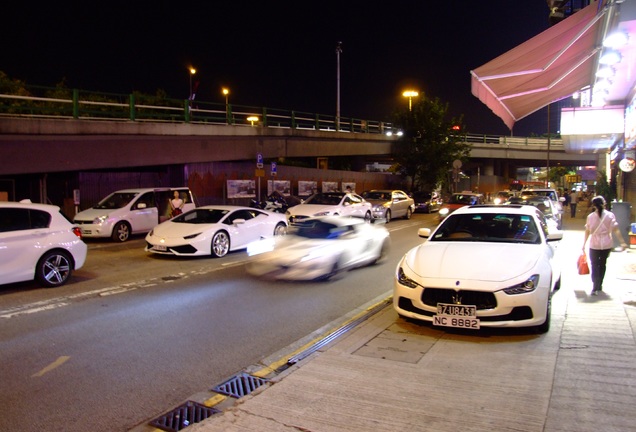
x: 240, y: 385
x: 183, y: 416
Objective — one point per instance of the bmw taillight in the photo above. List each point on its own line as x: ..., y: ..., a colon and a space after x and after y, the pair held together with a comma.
x: 77, y: 231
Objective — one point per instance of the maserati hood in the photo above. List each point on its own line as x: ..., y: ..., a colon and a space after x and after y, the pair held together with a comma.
x: 494, y: 262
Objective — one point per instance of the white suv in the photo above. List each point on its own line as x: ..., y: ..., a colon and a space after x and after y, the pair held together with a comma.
x: 130, y: 211
x: 38, y: 242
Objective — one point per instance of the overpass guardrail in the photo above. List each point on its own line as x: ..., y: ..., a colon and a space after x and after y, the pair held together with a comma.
x: 31, y: 101
x: 46, y: 102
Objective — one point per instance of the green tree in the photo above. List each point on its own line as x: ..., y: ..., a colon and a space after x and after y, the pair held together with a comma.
x: 604, y: 188
x: 431, y: 141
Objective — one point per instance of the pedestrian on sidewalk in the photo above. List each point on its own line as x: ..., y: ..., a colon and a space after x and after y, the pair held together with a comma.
x: 598, y: 228
x: 574, y: 199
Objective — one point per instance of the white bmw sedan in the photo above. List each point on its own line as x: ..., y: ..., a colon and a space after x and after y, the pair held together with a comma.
x: 483, y: 266
x: 214, y: 230
x: 318, y: 249
x: 331, y: 204
x: 38, y: 242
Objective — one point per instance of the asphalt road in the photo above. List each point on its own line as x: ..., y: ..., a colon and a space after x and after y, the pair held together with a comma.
x: 134, y: 335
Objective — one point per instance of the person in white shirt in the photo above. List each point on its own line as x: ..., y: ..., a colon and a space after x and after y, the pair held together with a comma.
x: 176, y: 205
x: 598, y: 228
x: 574, y: 199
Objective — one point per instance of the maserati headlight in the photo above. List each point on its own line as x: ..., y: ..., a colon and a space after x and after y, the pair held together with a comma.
x: 405, y: 280
x: 524, y: 287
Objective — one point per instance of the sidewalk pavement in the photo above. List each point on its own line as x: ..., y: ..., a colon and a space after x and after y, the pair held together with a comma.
x: 389, y: 374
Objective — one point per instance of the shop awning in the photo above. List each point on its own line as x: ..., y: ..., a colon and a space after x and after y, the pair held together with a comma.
x: 549, y: 67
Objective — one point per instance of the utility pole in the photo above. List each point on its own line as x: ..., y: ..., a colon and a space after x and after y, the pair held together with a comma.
x: 338, y: 51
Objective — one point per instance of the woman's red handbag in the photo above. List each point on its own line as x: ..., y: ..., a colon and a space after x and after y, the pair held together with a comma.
x: 582, y: 265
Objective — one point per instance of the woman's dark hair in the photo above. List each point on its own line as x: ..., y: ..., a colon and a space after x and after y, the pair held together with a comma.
x: 599, y: 203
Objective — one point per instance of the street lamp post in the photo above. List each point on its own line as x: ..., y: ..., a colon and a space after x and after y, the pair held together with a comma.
x: 226, y: 92
x: 338, y: 51
x: 192, y: 72
x: 410, y: 94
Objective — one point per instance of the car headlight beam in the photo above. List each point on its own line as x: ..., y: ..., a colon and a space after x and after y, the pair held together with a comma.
x: 527, y: 286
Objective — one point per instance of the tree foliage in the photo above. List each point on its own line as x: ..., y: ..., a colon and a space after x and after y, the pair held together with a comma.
x: 431, y: 141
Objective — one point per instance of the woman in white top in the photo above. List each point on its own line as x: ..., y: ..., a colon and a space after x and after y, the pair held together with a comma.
x: 176, y: 205
x: 598, y: 228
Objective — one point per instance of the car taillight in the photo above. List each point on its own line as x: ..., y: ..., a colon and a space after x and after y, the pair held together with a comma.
x: 77, y: 231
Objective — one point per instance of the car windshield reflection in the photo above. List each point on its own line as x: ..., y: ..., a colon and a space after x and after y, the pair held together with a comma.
x: 488, y: 227
x: 201, y: 216
x: 115, y: 201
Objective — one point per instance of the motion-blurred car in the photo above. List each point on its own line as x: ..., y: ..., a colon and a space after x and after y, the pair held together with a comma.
x: 38, y: 242
x: 214, y: 230
x: 318, y: 249
x: 388, y: 204
x: 458, y: 200
x: 130, y: 211
x: 483, y: 266
x: 427, y: 202
x: 331, y: 204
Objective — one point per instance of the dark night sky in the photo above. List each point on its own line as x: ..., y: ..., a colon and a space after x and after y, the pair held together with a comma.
x: 274, y: 54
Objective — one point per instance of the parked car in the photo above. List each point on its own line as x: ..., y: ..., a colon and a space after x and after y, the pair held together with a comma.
x: 427, y: 202
x: 390, y: 203
x: 214, y: 230
x: 548, y: 192
x: 331, y: 204
x: 318, y: 249
x: 450, y: 279
x: 38, y: 242
x: 130, y: 211
x: 458, y: 200
x: 553, y: 217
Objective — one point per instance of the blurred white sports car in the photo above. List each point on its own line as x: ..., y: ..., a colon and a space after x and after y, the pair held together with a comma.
x: 317, y: 249
x: 214, y: 230
x: 488, y: 266
x: 331, y: 204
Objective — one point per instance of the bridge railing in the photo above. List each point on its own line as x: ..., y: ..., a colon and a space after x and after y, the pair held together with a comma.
x: 513, y: 142
x: 46, y: 102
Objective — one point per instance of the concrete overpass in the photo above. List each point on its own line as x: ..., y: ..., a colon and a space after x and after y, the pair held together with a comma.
x: 37, y: 145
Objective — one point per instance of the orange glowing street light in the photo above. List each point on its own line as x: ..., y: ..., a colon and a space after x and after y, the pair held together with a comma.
x: 226, y: 92
x: 252, y: 119
x: 410, y: 94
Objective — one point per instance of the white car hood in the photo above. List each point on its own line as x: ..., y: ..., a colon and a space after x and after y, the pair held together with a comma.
x: 171, y: 229
x: 494, y: 262
x: 92, y: 213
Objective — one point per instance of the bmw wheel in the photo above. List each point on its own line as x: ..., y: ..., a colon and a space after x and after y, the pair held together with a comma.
x: 367, y: 217
x: 220, y: 244
x: 409, y: 213
x: 54, y: 268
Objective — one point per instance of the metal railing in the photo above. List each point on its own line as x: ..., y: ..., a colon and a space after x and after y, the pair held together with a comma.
x: 47, y: 102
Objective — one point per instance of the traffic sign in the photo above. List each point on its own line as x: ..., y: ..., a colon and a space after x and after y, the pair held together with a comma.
x: 273, y: 169
x: 259, y: 160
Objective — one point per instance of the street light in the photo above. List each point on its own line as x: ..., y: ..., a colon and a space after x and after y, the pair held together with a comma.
x: 192, y: 72
x: 226, y: 92
x: 410, y: 94
x: 252, y: 119
x: 338, y: 51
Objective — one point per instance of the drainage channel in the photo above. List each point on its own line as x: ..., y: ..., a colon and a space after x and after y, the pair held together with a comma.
x: 243, y: 383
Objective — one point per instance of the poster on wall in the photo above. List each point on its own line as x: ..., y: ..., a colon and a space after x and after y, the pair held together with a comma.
x: 241, y: 189
x: 348, y: 187
x: 329, y: 187
x: 283, y: 187
x: 306, y: 188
